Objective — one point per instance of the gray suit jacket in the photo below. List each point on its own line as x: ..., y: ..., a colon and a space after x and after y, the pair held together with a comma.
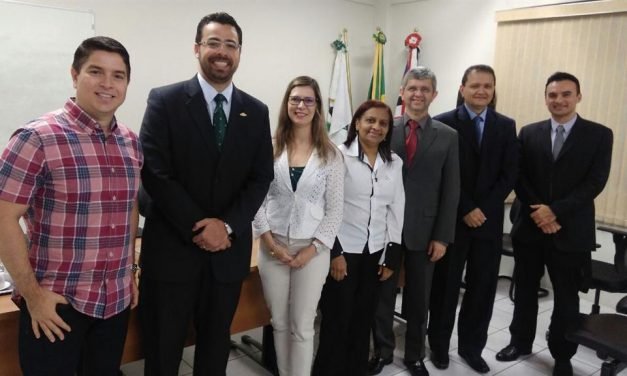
x: 432, y: 184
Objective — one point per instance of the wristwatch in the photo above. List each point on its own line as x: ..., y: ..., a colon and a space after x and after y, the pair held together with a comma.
x: 228, y: 228
x: 318, y: 245
x: 135, y: 268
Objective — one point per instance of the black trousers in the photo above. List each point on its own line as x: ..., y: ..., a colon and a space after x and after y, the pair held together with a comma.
x: 566, y: 271
x: 166, y: 311
x: 92, y: 348
x: 348, y: 308
x: 418, y: 274
x: 481, y: 258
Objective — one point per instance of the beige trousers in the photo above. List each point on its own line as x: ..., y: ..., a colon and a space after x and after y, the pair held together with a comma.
x: 292, y: 296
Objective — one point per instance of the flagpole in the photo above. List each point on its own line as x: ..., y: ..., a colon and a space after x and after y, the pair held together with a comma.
x: 348, y: 69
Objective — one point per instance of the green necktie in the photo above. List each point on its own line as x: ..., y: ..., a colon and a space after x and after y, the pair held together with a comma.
x: 219, y: 120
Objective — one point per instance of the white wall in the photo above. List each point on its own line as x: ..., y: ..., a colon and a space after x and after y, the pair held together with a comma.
x: 286, y: 38
x: 281, y: 40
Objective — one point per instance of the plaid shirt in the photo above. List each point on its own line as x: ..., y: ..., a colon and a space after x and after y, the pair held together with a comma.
x: 80, y: 187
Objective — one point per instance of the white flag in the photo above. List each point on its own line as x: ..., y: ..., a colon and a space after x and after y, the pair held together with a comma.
x: 340, y: 109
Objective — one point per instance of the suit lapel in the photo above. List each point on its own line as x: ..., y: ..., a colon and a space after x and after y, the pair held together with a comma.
x: 283, y: 170
x: 311, y: 167
x: 576, y: 133
x: 467, y: 128
x: 427, y: 137
x: 398, y: 139
x: 490, y: 129
x: 237, y: 119
x: 197, y: 108
x: 545, y: 140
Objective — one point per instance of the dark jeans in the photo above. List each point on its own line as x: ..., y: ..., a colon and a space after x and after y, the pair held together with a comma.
x: 93, y: 348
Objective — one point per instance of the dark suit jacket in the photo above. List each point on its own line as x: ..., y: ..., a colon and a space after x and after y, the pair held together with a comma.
x: 188, y: 178
x: 488, y: 173
x: 568, y: 185
x: 431, y: 184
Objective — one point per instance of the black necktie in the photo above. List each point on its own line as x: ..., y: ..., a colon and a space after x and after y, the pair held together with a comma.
x: 219, y: 120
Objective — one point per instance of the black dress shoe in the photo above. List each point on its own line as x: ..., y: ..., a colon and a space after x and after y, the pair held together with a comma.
x: 376, y: 364
x: 417, y: 368
x: 475, y: 362
x: 510, y: 353
x: 439, y: 359
x: 563, y: 368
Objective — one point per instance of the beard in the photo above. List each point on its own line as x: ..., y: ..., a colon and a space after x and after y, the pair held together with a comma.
x: 219, y: 75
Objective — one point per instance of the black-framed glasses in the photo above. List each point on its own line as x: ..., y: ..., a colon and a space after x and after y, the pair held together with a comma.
x: 308, y: 101
x: 215, y: 44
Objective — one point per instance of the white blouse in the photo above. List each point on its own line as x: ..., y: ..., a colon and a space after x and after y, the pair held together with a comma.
x: 314, y: 210
x: 374, y: 202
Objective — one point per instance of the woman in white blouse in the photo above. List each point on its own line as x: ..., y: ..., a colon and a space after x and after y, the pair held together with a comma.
x: 367, y: 248
x: 298, y: 222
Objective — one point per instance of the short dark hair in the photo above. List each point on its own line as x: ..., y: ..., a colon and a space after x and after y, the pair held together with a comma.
x: 100, y: 43
x: 562, y: 76
x: 221, y: 18
x: 477, y: 68
x: 385, y: 150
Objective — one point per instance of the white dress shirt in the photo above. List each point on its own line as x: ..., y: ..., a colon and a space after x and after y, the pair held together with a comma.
x: 314, y: 210
x: 374, y: 202
x: 210, y: 94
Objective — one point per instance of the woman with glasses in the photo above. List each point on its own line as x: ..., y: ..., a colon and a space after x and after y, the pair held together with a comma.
x: 367, y: 247
x: 298, y: 222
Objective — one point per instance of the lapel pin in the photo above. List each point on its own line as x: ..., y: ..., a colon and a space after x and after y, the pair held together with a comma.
x: 243, y: 114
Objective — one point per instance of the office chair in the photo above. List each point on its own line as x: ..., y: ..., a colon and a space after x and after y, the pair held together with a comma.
x: 606, y: 276
x: 606, y: 333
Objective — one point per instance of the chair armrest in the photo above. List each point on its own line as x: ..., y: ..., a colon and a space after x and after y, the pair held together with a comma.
x: 621, y: 306
x: 619, y: 235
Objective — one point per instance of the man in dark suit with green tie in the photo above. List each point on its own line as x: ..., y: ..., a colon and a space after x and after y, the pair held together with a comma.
x: 565, y: 163
x: 208, y: 167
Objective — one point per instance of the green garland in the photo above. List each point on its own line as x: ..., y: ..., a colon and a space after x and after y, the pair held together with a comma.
x: 379, y: 37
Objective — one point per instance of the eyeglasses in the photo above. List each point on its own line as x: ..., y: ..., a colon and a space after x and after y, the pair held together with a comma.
x: 215, y: 44
x: 308, y: 101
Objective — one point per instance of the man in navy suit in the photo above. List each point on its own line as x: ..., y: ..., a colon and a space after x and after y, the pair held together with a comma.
x: 208, y: 166
x: 488, y: 156
x: 565, y: 163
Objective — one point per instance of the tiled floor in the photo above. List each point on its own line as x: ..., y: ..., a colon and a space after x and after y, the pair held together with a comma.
x: 538, y: 363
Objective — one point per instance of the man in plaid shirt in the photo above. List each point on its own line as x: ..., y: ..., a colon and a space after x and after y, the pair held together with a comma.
x: 73, y: 176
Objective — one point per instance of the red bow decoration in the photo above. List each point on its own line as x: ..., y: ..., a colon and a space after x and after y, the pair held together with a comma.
x: 413, y: 40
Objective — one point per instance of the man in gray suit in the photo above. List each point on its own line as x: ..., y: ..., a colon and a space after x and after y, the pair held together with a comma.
x: 429, y: 150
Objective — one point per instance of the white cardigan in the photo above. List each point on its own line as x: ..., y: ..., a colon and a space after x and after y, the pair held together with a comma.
x: 314, y: 210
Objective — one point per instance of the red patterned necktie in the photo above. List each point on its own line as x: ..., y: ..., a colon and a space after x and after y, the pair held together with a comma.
x: 411, y: 141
